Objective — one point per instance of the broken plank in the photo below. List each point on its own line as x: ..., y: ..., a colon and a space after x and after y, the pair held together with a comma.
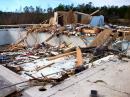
x: 61, y: 55
x: 79, y: 57
x: 50, y: 37
x: 95, y: 12
x: 82, y: 13
x: 40, y: 68
x: 101, y: 38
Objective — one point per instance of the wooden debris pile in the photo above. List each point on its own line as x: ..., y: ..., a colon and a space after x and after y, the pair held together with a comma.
x: 37, y: 63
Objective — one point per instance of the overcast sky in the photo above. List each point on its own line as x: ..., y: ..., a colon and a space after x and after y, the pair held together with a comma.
x: 12, y: 5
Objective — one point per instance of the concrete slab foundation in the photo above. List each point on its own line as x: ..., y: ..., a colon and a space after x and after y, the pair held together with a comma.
x: 7, y: 78
x: 110, y: 79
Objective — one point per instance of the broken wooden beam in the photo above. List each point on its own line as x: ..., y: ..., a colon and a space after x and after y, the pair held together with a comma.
x: 88, y: 14
x: 81, y: 13
x: 88, y: 31
x: 40, y: 68
x: 79, y: 57
x: 61, y: 55
x: 95, y: 12
x: 101, y: 38
x: 50, y: 37
x: 91, y: 31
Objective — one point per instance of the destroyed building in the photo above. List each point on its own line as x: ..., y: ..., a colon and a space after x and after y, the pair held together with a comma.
x: 73, y: 55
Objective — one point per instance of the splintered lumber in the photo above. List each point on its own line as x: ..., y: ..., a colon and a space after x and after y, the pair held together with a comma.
x: 56, y: 18
x: 53, y: 20
x: 91, y: 31
x: 68, y: 49
x: 79, y: 57
x: 88, y: 14
x: 19, y: 41
x: 95, y: 12
x: 61, y: 55
x: 40, y: 68
x: 16, y: 47
x: 82, y: 13
x: 101, y: 38
x: 50, y: 37
x: 88, y: 31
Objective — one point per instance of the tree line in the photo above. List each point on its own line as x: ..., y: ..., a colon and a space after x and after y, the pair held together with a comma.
x: 31, y: 15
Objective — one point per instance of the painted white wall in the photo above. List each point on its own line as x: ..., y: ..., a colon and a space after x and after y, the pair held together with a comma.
x: 9, y: 36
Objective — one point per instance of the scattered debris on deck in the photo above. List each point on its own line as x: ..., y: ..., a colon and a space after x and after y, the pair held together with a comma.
x: 73, y: 42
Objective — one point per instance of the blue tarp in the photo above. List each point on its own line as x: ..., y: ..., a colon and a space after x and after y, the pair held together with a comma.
x: 97, y: 21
